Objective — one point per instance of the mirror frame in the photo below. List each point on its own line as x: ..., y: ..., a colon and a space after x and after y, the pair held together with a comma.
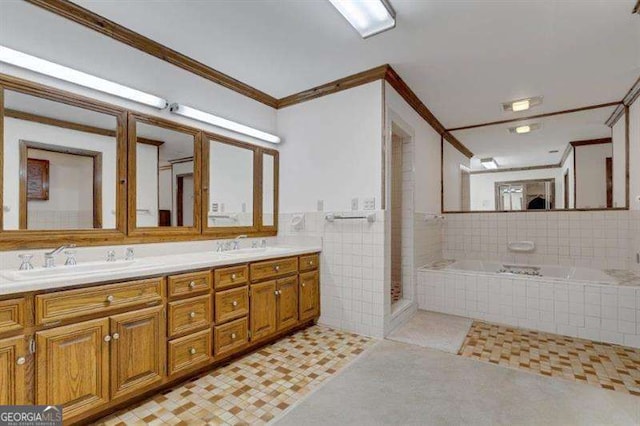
x: 22, y: 239
x: 626, y: 174
x: 257, y: 229
x: 276, y: 184
x: 168, y: 231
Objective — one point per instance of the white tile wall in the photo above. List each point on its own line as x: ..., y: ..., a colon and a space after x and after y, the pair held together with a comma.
x: 634, y: 228
x: 352, y: 269
x: 597, y: 312
x: 596, y: 239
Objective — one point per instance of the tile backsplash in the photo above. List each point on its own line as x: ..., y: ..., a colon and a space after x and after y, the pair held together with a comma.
x: 599, y: 239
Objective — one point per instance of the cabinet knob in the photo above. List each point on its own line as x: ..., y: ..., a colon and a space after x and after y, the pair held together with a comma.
x: 276, y: 268
x: 107, y: 338
x: 192, y: 314
x: 192, y: 351
x: 233, y: 335
x: 234, y: 303
x: 233, y: 277
x: 303, y: 284
x: 115, y: 336
x: 110, y: 298
x: 311, y: 262
x: 192, y: 284
x: 21, y: 360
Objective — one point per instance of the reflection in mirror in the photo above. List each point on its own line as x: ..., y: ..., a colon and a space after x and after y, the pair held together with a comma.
x: 165, y: 187
x: 230, y: 185
x: 564, y: 161
x: 268, y: 189
x: 60, y: 166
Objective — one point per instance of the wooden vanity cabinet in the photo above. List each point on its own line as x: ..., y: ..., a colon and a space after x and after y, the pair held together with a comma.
x: 263, y: 315
x: 13, y: 371
x: 309, y: 295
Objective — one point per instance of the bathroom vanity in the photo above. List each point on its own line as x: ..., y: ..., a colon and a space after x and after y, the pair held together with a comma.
x: 95, y: 346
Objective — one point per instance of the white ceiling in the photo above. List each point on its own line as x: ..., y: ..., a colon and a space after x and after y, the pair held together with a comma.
x: 532, y: 149
x: 463, y: 57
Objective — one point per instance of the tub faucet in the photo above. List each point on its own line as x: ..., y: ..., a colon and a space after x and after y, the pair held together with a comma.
x: 49, y: 257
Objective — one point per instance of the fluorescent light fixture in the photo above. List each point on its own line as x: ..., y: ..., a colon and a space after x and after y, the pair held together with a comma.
x: 368, y: 17
x: 41, y: 66
x: 205, y: 117
x: 521, y: 104
x: 525, y: 128
x: 489, y: 163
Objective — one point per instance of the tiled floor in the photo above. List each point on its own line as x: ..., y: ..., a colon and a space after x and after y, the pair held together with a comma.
x: 603, y: 365
x: 254, y: 389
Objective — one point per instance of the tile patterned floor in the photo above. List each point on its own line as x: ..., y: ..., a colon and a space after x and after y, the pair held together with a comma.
x: 604, y: 365
x: 254, y: 389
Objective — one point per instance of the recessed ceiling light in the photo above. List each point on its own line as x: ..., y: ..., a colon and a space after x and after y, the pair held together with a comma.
x: 489, y: 163
x: 42, y: 66
x: 368, y: 17
x: 525, y: 128
x: 521, y: 104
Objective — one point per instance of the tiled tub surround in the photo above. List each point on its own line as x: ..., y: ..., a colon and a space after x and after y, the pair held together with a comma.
x: 599, y: 239
x: 601, y: 312
x: 352, y: 280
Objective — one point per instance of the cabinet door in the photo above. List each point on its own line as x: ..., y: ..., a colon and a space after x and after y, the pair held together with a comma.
x: 137, y: 350
x: 263, y: 310
x: 12, y: 371
x: 287, y: 302
x: 72, y: 366
x: 309, y: 295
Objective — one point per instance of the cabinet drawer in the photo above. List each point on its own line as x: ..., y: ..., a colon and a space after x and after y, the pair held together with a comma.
x: 189, y: 284
x: 230, y: 337
x: 190, y: 351
x: 229, y: 277
x: 231, y: 304
x: 62, y: 305
x: 309, y: 262
x: 273, y: 268
x: 189, y: 314
x: 11, y: 315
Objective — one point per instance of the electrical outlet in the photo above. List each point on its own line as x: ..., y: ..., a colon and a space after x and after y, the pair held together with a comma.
x: 320, y: 205
x: 638, y: 258
x: 354, y: 204
x: 214, y: 207
x: 369, y: 204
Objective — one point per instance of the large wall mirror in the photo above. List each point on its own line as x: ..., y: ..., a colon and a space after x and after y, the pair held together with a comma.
x: 164, y: 185
x: 62, y: 163
x: 575, y: 160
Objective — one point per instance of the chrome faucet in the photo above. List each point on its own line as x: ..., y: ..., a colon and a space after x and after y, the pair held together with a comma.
x: 129, y: 254
x: 236, y: 241
x: 111, y: 256
x: 49, y: 257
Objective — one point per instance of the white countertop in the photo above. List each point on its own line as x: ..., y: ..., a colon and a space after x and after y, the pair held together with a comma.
x: 150, y: 266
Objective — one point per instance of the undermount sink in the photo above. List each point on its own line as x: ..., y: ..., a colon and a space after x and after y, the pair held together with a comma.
x: 80, y: 269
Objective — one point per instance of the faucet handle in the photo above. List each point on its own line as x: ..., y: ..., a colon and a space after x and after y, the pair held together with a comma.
x: 71, y: 258
x: 25, y: 260
x: 129, y: 253
x: 111, y: 256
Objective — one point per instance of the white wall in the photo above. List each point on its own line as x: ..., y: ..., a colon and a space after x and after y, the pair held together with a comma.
x: 483, y: 192
x: 568, y: 168
x: 634, y: 155
x: 146, y: 185
x: 618, y: 136
x: 165, y: 202
x: 15, y: 130
x: 452, y: 176
x: 187, y: 218
x: 332, y: 150
x: 73, y: 45
x: 70, y: 203
x: 591, y: 186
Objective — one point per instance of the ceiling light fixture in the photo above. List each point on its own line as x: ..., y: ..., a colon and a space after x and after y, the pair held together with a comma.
x: 368, y: 17
x: 525, y: 128
x: 42, y: 66
x: 205, y: 117
x: 489, y: 163
x: 521, y: 104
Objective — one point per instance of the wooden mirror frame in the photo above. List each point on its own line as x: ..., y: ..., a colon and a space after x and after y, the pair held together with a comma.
x: 168, y: 232
x: 24, y: 238
x: 257, y: 229
x: 276, y: 183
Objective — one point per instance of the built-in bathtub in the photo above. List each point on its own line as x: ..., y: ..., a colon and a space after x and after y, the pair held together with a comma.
x: 601, y: 305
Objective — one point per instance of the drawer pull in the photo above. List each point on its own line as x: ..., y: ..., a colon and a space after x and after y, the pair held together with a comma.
x: 107, y: 338
x: 234, y: 303
x: 303, y: 284
x: 192, y: 284
x: 192, y: 351
x: 233, y: 336
x: 192, y: 314
x: 277, y: 293
x: 115, y: 336
x: 110, y: 298
x: 310, y: 262
x: 233, y: 277
x: 21, y: 360
x: 276, y: 268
